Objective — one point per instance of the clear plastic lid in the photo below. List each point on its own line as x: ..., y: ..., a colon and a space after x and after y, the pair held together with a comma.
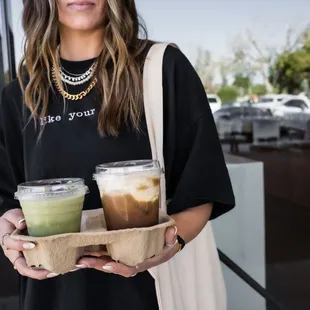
x: 51, y: 188
x: 128, y: 167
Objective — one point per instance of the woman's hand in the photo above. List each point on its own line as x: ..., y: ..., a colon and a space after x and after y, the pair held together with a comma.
x: 104, y: 263
x: 189, y: 222
x: 10, y: 221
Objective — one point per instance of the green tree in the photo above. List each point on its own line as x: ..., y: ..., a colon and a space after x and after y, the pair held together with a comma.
x: 259, y: 89
x: 242, y: 81
x: 292, y: 68
x: 228, y: 93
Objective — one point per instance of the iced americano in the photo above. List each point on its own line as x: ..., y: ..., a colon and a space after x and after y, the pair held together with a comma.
x: 130, y: 193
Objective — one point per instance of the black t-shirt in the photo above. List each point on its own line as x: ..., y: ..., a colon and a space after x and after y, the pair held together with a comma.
x: 70, y: 146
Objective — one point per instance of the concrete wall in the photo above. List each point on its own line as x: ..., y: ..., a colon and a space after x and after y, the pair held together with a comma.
x: 240, y: 234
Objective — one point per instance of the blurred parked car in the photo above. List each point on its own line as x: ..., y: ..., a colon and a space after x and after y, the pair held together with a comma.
x: 295, y: 114
x: 293, y: 105
x: 272, y: 98
x: 238, y: 121
x: 271, y: 101
x: 235, y: 103
x: 294, y: 111
x: 215, y: 102
x: 288, y: 105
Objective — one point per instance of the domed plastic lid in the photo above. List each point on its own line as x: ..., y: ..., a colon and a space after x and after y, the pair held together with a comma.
x: 128, y: 167
x: 51, y: 188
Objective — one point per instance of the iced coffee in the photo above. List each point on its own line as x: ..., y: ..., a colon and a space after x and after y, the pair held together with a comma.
x: 52, y: 207
x: 130, y: 193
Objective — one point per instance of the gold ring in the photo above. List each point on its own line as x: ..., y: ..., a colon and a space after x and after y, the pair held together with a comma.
x: 180, y: 247
x: 2, y: 241
x: 172, y: 245
x: 137, y: 268
x: 16, y: 260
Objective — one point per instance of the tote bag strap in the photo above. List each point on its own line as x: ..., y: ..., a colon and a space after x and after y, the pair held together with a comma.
x: 153, y: 106
x: 198, y: 264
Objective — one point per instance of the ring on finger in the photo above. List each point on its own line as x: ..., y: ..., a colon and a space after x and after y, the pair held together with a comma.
x: 16, y: 259
x: 137, y: 269
x: 172, y: 245
x: 2, y: 241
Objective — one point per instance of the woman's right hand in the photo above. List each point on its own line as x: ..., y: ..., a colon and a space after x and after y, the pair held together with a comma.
x: 10, y: 221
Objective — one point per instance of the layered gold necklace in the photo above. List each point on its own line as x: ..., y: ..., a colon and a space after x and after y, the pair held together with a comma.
x: 64, y: 93
x: 78, y: 96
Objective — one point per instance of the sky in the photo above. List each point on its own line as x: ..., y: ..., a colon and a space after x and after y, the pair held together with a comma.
x: 210, y: 24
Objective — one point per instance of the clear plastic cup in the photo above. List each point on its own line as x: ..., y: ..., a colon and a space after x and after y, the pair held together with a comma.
x: 52, y: 207
x: 130, y: 193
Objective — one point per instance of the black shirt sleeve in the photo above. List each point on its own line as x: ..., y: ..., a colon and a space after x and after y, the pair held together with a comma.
x: 196, y: 172
x: 11, y: 149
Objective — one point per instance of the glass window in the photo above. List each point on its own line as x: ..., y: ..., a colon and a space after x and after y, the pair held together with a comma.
x: 9, y: 290
x: 7, y: 51
x: 267, y: 99
x: 2, y: 69
x: 212, y: 100
x: 290, y: 103
x: 257, y: 112
x: 301, y: 104
x: 296, y: 104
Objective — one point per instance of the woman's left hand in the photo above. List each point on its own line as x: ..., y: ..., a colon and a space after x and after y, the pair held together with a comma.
x: 104, y: 263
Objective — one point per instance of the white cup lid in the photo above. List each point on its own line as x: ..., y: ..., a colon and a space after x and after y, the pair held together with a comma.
x: 128, y: 167
x: 51, y: 188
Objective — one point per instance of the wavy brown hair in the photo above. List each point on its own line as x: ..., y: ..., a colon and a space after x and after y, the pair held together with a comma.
x: 119, y: 64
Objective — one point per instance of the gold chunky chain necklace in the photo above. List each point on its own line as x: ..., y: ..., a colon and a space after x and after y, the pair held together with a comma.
x: 75, y: 97
x: 65, y: 94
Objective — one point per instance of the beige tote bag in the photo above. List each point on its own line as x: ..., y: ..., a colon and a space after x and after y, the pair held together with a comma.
x: 193, y: 279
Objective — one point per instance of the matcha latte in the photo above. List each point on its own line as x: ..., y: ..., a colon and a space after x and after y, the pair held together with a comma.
x: 52, y: 207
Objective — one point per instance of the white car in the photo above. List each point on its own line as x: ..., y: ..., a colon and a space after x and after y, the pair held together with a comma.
x: 281, y: 105
x: 273, y: 98
x: 294, y: 112
x: 292, y: 106
x: 270, y: 101
x: 215, y: 102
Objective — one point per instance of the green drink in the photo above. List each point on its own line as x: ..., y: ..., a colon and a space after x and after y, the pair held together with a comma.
x: 52, y: 207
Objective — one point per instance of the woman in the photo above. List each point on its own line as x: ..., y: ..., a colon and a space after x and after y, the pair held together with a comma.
x: 57, y: 122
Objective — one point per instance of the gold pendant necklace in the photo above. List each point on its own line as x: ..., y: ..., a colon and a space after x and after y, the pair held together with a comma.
x: 66, y: 95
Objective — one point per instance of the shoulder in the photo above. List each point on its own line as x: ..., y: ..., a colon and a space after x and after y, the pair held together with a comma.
x: 183, y: 89
x: 177, y: 69
x: 174, y: 58
x: 174, y: 54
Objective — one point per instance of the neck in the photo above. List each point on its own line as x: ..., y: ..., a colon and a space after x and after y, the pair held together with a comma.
x: 80, y: 45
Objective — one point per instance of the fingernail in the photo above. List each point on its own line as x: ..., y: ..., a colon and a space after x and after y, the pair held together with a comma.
x: 81, y: 266
x: 175, y: 230
x: 172, y: 245
x: 108, y: 268
x: 29, y: 246
x: 52, y: 275
x: 76, y: 269
x: 21, y: 221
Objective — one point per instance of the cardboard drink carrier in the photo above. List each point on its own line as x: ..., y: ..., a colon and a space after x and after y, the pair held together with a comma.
x: 59, y: 253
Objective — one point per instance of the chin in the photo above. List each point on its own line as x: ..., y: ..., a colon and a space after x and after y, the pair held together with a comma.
x: 82, y: 26
x: 82, y: 23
